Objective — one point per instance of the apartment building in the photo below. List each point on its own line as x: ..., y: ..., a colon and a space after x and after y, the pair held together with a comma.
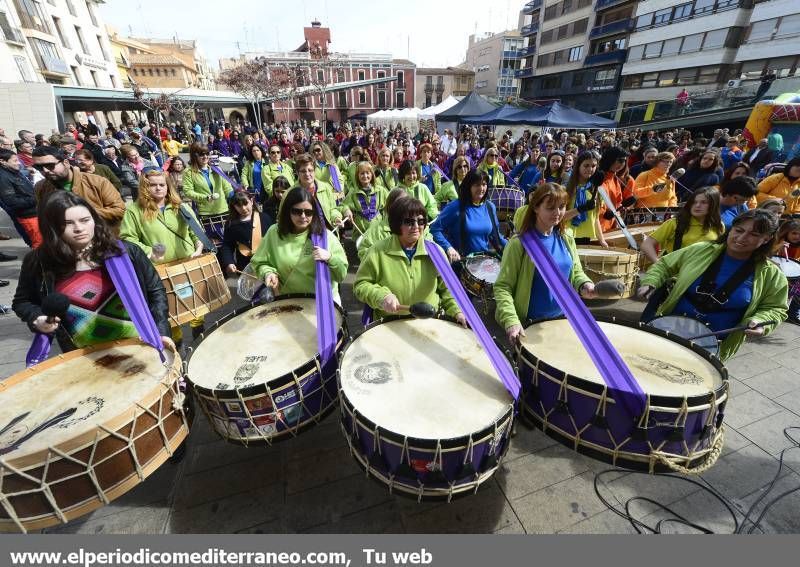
x: 62, y: 42
x: 434, y: 84
x: 494, y: 59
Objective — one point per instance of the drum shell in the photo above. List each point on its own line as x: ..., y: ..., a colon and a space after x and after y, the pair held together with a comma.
x: 194, y: 286
x: 113, y: 463
x: 602, y: 266
x: 506, y: 200
x: 475, y: 285
x: 380, y: 451
x: 617, y: 239
x: 565, y: 406
x: 301, y: 397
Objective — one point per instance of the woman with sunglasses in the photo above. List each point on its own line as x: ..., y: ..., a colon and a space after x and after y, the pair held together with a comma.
x: 286, y: 258
x: 207, y: 189
x: 520, y: 292
x: 398, y: 271
x: 449, y: 190
x: 325, y: 168
x: 321, y: 191
x: 727, y: 283
x: 491, y: 167
x: 469, y: 224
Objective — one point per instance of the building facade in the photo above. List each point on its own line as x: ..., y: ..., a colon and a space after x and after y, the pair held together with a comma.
x: 163, y: 63
x: 434, y: 84
x: 574, y: 50
x: 341, y: 68
x: 493, y: 58
x: 61, y: 42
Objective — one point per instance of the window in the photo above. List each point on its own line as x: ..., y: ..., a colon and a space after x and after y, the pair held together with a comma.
x: 381, y: 74
x: 790, y: 25
x: 566, y: 6
x: 653, y: 49
x: 382, y: 99
x: 580, y: 26
x: 321, y: 100
x: 362, y: 97
x: 708, y: 74
x: 158, y: 72
x: 173, y: 72
x: 428, y: 100
x: 546, y: 37
x: 400, y: 100
x: 94, y: 78
x: 553, y: 82
x: 361, y: 74
x: 23, y: 68
x: 635, y: 52
x: 687, y: 76
x: 575, y: 53
x: 440, y: 79
x: 715, y: 39
x: 667, y: 78
x: 562, y: 32
x: 80, y: 39
x: 577, y: 79
x: 75, y: 76
x: 105, y: 53
x: 400, y: 80
x: 682, y: 11
x: 649, y: 79
x: 320, y: 76
x: 558, y: 57
x: 438, y: 98
x: 150, y: 72
x: 762, y: 30
x: 703, y: 7
x: 605, y: 77
x: 339, y: 75
x: 644, y: 20
x: 671, y: 47
x: 302, y: 102
x: 91, y: 13
x: 342, y: 98
x: 692, y: 43
x: 551, y: 12
x: 662, y: 16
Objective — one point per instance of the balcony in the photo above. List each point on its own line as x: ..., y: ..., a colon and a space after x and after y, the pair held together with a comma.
x: 506, y: 72
x: 603, y: 4
x: 620, y: 26
x: 617, y: 56
x: 532, y: 6
x: 13, y: 35
x: 510, y: 55
x: 527, y: 51
x: 51, y: 65
x: 530, y: 29
x: 32, y: 21
x: 524, y: 73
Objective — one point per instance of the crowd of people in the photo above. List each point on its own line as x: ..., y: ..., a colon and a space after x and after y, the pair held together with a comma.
x: 259, y: 195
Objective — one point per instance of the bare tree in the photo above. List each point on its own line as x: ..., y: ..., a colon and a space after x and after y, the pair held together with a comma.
x: 251, y: 80
x: 164, y: 105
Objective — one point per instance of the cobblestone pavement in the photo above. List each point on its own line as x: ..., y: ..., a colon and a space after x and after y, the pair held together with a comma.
x: 312, y: 483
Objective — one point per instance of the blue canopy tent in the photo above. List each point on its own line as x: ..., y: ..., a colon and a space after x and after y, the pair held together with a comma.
x: 490, y: 117
x: 557, y: 115
x: 471, y: 105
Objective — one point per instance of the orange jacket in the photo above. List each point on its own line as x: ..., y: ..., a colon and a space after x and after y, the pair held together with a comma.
x: 778, y: 186
x: 655, y: 189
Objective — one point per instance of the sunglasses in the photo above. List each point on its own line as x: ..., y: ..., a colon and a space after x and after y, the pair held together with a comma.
x: 202, y: 154
x: 463, y: 166
x: 275, y: 153
x: 298, y: 212
x: 47, y: 166
x: 317, y: 150
x: 415, y: 222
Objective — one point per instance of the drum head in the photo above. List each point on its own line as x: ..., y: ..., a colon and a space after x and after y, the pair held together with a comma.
x: 258, y: 345
x: 687, y: 328
x: 483, y: 267
x: 790, y: 268
x: 590, y: 251
x: 424, y: 378
x: 661, y: 366
x: 75, y: 396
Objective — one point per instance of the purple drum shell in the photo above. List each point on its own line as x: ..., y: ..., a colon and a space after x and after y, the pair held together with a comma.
x: 506, y: 198
x: 646, y: 215
x: 573, y: 422
x: 214, y: 225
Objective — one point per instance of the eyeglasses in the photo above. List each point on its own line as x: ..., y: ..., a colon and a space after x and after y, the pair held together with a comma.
x: 415, y: 222
x: 202, y: 154
x: 317, y: 150
x: 298, y: 212
x: 274, y: 153
x: 463, y: 166
x: 47, y: 166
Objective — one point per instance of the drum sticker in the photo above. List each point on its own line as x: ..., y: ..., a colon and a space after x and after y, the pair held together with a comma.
x: 233, y: 407
x: 248, y: 369
x: 85, y: 409
x: 292, y: 414
x: 266, y: 312
x: 374, y: 373
x: 664, y: 370
x: 422, y: 466
x: 184, y: 290
x: 258, y: 406
x: 222, y: 386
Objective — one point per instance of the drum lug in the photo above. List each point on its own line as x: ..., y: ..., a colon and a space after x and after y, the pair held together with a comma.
x: 490, y: 461
x: 404, y: 470
x: 677, y: 434
x: 706, y: 432
x: 436, y: 477
x: 466, y: 471
x: 640, y: 433
x: 376, y: 461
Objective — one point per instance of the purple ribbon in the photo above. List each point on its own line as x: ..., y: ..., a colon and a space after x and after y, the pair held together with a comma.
x: 496, y: 357
x: 605, y: 357
x: 120, y: 268
x: 218, y: 171
x: 326, y: 316
x: 40, y: 348
x: 368, y: 211
x: 442, y: 173
x: 334, y: 178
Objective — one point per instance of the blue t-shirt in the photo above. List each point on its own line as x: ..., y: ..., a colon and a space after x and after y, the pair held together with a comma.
x: 734, y: 309
x: 543, y: 304
x: 207, y: 174
x: 257, y: 185
x: 478, y: 228
x: 730, y: 212
x: 427, y: 175
x: 410, y: 253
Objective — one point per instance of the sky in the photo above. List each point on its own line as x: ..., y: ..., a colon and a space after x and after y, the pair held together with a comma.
x: 431, y: 33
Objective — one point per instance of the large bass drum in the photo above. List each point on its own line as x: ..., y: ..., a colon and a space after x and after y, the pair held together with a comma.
x: 83, y: 428
x: 422, y: 408
x: 566, y: 397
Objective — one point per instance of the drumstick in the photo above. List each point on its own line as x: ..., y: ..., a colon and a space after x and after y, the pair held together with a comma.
x: 419, y: 310
x: 238, y: 271
x: 731, y: 330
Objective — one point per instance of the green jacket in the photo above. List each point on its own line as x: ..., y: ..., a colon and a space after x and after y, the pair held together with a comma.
x: 387, y: 269
x: 498, y: 177
x: 446, y: 193
x: 378, y: 230
x: 322, y: 173
x: 437, y: 177
x: 290, y: 258
x: 512, y: 290
x: 273, y: 172
x: 386, y: 178
x: 352, y: 204
x: 247, y: 176
x: 350, y: 182
x: 327, y: 200
x: 167, y: 228
x: 105, y: 171
x: 196, y: 189
x: 421, y: 192
x: 687, y: 264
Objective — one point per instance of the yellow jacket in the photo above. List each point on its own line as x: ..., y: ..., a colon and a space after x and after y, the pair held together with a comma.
x: 778, y: 186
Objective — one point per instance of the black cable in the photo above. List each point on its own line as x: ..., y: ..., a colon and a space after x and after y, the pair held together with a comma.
x: 739, y: 527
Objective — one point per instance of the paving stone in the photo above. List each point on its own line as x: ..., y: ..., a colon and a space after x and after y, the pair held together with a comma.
x: 733, y: 441
x: 782, y: 517
x: 320, y: 469
x: 533, y: 472
x: 382, y: 519
x: 742, y: 472
x: 515, y: 528
x: 664, y: 489
x: 749, y: 365
x: 229, y: 515
x: 606, y: 522
x: 774, y: 344
x: 701, y: 508
x: 768, y: 432
x: 277, y: 526
x: 748, y: 408
x: 143, y: 520
x: 775, y: 383
x: 326, y: 435
x: 791, y: 401
x: 484, y: 512
x: 222, y: 454
x: 527, y: 441
x: 737, y: 387
x: 558, y: 506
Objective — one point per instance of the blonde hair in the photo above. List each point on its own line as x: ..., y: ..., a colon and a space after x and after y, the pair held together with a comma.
x: 145, y: 199
x: 364, y: 166
x: 552, y: 193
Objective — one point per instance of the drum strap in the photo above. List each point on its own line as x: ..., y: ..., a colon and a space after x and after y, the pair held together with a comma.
x: 255, y: 238
x: 612, y: 367
x: 496, y: 357
x: 326, y: 316
x: 198, y: 231
x: 442, y: 173
x: 707, y: 298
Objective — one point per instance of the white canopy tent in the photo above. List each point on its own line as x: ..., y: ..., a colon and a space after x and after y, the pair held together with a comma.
x: 406, y: 117
x: 431, y: 112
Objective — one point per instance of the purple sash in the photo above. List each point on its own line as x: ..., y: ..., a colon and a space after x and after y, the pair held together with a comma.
x: 608, y: 361
x: 368, y: 211
x: 326, y: 315
x: 337, y: 185
x: 496, y: 357
x: 120, y: 269
x: 442, y: 173
x: 218, y: 171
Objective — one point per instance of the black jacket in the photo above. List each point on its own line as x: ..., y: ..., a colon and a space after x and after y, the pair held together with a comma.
x: 764, y: 157
x: 34, y: 285
x: 16, y: 194
x: 240, y: 232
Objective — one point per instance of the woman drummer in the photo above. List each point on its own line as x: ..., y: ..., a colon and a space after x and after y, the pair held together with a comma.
x: 727, y: 283
x: 449, y: 190
x: 469, y: 224
x: 520, y: 292
x: 583, y: 217
x: 243, y: 232
x: 277, y: 168
x: 364, y: 201
x: 71, y: 261
x: 319, y: 190
x: 398, y: 271
x: 156, y: 224
x: 379, y: 228
x: 385, y: 174
x: 286, y: 258
x: 325, y: 168
x: 697, y: 221
x: 255, y: 175
x: 207, y: 189
x: 409, y: 183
